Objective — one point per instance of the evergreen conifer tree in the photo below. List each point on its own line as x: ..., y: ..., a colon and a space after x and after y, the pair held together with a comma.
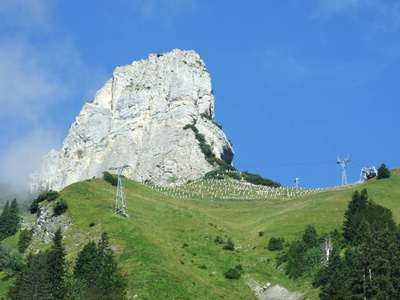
x: 9, y: 219
x: 25, y: 238
x: 4, y: 225
x: 56, y: 266
x: 85, y: 264
x: 14, y: 218
x: 383, y: 172
x: 110, y: 284
x: 310, y: 237
x: 359, y: 202
x: 370, y: 264
x: 33, y: 281
x: 97, y: 268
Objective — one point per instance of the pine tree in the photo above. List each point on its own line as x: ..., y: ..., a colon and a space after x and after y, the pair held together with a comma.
x: 9, y: 219
x: 310, y: 237
x: 383, y: 172
x: 14, y: 218
x: 32, y: 282
x: 336, y: 285
x: 358, y: 203
x: 97, y: 268
x: 295, y: 259
x: 370, y: 267
x: 85, y: 264
x: 56, y: 266
x: 110, y: 284
x: 25, y: 238
x: 4, y: 225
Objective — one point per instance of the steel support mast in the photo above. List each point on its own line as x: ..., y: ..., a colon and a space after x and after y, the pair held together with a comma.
x: 120, y: 203
x: 343, y: 162
x: 297, y: 182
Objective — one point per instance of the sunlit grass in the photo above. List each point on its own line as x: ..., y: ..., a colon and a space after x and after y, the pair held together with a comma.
x: 166, y: 246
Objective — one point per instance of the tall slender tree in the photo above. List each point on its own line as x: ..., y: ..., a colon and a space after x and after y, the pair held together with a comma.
x: 4, y: 225
x: 358, y: 202
x: 14, y: 218
x: 33, y: 281
x: 85, y: 264
x: 97, y: 268
x: 56, y: 266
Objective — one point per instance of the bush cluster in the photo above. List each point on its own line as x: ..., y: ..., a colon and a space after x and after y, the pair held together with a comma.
x: 209, y: 117
x: 219, y: 240
x: 234, y: 273
x: 234, y: 175
x: 48, y: 195
x: 276, y: 244
x: 111, y: 178
x: 259, y: 180
x: 60, y: 207
x: 229, y: 245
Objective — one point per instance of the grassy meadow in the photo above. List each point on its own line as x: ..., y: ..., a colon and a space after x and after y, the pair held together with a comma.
x: 166, y: 247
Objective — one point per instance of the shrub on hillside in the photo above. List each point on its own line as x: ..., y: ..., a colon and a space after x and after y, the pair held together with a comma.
x: 383, y: 172
x: 276, y: 244
x: 234, y: 273
x: 215, y: 174
x: 207, y: 116
x: 60, y: 207
x: 48, y: 195
x: 111, y: 178
x: 229, y: 245
x: 11, y: 261
x: 234, y: 175
x: 219, y: 240
x: 259, y: 180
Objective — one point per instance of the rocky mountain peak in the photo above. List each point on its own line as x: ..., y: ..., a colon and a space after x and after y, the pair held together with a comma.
x: 137, y: 118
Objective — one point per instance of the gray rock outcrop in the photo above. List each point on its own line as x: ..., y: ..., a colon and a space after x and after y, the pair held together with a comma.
x: 137, y: 119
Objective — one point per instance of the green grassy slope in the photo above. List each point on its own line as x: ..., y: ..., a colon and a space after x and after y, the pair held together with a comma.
x: 166, y: 247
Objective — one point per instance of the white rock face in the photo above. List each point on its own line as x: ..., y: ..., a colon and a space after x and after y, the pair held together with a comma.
x: 137, y: 118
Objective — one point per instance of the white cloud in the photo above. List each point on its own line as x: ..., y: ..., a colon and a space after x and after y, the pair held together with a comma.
x: 28, y: 15
x: 25, y: 156
x: 25, y: 86
x: 37, y: 77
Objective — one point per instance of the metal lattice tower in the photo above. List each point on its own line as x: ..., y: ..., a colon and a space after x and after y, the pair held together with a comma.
x: 297, y: 182
x: 343, y: 162
x: 120, y: 204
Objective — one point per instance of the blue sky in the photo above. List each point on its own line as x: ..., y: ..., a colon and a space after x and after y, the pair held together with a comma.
x: 296, y: 83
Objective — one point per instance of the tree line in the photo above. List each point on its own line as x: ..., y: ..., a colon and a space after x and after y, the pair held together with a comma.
x: 45, y: 275
x: 95, y: 276
x: 360, y: 262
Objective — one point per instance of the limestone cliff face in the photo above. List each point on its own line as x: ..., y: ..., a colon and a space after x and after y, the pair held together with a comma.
x: 137, y: 119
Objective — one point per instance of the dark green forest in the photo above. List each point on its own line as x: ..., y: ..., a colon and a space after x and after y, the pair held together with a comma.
x: 44, y: 275
x: 362, y: 262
